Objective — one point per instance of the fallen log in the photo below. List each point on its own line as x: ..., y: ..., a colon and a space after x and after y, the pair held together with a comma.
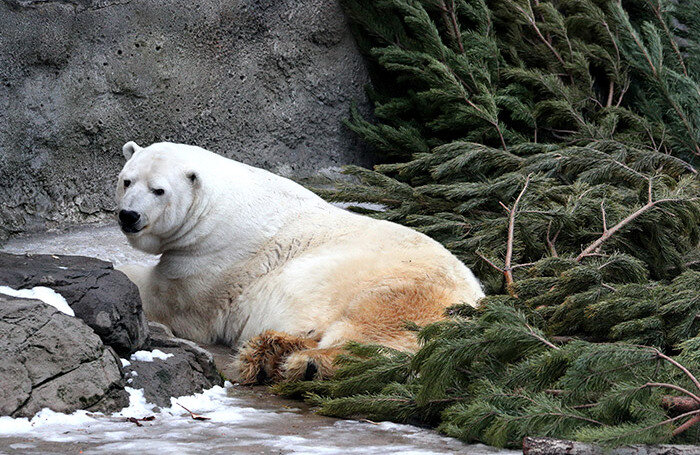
x: 551, y: 446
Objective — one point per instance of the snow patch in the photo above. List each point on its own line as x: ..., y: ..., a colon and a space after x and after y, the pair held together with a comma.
x: 46, y: 295
x: 148, y: 356
x: 138, y: 406
x: 44, y: 418
x: 125, y: 363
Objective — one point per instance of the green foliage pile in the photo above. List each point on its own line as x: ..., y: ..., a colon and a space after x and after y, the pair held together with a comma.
x: 550, y: 145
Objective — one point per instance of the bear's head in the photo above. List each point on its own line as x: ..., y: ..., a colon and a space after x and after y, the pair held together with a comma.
x: 155, y: 193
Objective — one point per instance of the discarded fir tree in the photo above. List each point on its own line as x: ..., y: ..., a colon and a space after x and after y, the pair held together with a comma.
x: 550, y: 145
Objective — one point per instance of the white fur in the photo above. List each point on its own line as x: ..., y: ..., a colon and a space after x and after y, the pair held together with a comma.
x: 244, y: 250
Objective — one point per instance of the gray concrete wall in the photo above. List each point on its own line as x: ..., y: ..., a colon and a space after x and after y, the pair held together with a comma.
x: 266, y: 82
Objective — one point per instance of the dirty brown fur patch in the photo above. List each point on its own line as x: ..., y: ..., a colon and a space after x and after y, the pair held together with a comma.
x: 310, y: 364
x: 260, y: 359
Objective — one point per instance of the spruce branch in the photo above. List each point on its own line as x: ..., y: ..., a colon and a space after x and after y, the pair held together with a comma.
x: 608, y: 146
x: 561, y: 414
x: 656, y: 8
x: 661, y: 83
x: 676, y: 364
x: 483, y: 115
x: 676, y: 432
x: 607, y: 234
x: 450, y: 18
x: 530, y: 18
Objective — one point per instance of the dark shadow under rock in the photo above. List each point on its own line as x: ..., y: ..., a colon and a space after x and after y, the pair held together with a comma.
x: 104, y: 298
x: 189, y: 370
x: 49, y: 359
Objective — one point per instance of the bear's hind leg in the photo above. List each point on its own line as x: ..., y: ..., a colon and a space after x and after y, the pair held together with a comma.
x: 261, y: 358
x: 380, y: 319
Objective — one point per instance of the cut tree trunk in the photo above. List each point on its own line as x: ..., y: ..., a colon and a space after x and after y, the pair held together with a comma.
x: 551, y: 446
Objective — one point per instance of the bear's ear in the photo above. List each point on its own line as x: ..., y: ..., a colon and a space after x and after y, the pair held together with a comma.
x: 193, y: 178
x: 129, y: 149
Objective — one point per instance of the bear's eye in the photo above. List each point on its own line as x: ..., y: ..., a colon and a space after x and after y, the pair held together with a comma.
x: 158, y: 191
x: 127, y: 183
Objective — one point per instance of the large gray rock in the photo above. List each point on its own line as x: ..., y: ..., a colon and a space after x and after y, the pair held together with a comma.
x: 49, y: 359
x: 104, y: 298
x: 267, y: 82
x: 190, y: 370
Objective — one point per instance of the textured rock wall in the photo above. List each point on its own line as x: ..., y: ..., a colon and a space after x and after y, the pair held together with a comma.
x: 266, y: 82
x: 53, y: 360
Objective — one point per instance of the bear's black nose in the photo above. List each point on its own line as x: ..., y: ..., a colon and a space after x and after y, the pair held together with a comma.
x: 128, y: 217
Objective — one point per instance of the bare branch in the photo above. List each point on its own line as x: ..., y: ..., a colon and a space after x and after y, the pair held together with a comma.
x: 688, y: 424
x: 605, y: 221
x: 551, y: 241
x: 610, y: 232
x: 508, y: 271
x: 489, y: 262
x: 542, y: 339
x: 673, y: 387
x: 679, y: 366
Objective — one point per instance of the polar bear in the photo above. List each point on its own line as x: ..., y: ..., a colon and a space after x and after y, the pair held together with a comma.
x: 256, y: 261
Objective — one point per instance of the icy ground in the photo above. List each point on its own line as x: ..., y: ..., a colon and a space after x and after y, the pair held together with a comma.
x: 241, y: 419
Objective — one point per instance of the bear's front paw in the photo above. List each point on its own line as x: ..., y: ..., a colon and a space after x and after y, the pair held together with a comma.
x: 310, y: 364
x: 260, y: 359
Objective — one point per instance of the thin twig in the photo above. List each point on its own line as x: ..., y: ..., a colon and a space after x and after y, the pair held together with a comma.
x: 489, y: 262
x: 551, y: 242
x: 684, y: 427
x: 192, y: 414
x: 542, y: 339
x: 511, y: 234
x: 611, y: 89
x: 605, y: 221
x: 672, y: 387
x: 622, y: 93
x: 679, y: 366
x: 689, y: 423
x: 527, y: 264
x: 450, y: 18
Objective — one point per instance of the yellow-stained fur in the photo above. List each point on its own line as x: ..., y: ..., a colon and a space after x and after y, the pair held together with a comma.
x: 367, y: 296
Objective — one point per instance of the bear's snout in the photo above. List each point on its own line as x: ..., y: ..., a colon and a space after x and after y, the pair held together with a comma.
x: 128, y: 220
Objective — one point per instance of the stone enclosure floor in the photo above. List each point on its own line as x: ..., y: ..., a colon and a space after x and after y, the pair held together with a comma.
x: 243, y: 419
